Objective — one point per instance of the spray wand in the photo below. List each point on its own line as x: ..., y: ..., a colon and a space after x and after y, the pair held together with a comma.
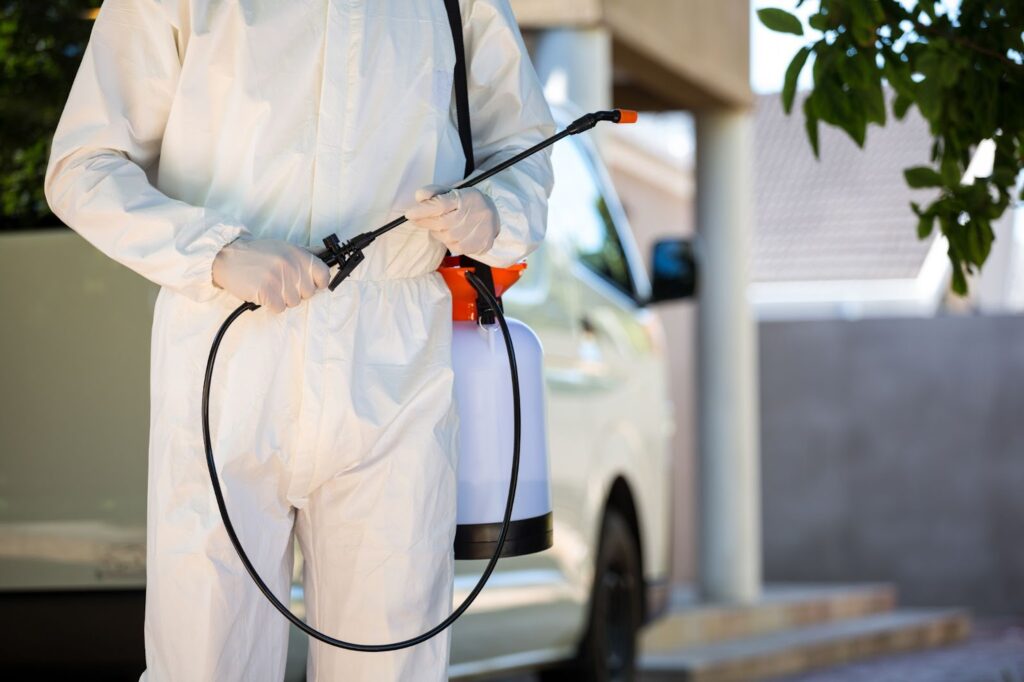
x: 349, y: 254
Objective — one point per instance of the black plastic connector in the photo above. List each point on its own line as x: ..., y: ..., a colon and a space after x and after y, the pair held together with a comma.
x: 353, y: 259
x: 345, y: 255
x: 588, y: 121
x: 334, y: 253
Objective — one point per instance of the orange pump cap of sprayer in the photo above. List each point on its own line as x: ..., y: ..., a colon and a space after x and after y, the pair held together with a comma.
x: 627, y: 116
x: 463, y: 293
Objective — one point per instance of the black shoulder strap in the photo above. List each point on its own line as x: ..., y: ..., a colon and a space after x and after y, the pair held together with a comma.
x: 462, y: 116
x: 461, y: 84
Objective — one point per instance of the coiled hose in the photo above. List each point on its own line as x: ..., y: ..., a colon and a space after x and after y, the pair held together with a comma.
x: 233, y: 536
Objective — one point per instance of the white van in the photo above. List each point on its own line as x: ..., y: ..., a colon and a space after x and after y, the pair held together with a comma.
x: 72, y: 486
x: 586, y: 294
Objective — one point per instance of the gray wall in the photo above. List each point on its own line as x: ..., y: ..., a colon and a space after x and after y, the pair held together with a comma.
x: 894, y: 450
x: 74, y: 414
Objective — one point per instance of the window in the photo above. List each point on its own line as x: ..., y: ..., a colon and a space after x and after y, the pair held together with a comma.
x: 578, y: 217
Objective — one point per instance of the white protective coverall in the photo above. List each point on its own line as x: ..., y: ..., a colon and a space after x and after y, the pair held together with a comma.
x: 193, y: 121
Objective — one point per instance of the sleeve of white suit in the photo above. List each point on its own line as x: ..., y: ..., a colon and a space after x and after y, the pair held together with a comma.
x: 509, y: 114
x: 107, y: 143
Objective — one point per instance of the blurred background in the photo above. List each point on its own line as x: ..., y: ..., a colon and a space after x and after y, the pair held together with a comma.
x: 844, y: 466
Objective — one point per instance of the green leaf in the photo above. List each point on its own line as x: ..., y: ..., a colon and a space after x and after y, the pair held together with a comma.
x: 864, y: 35
x: 922, y: 176
x: 811, y: 125
x: 977, y: 237
x: 830, y: 103
x: 975, y: 247
x: 925, y: 225
x: 900, y: 105
x: 988, y: 236
x: 858, y: 127
x: 819, y: 22
x: 952, y: 64
x: 897, y: 72
x: 959, y: 280
x: 950, y: 169
x: 929, y: 98
x: 857, y: 69
x: 1004, y: 177
x: 848, y: 112
x: 792, y: 76
x: 780, y: 21
x: 874, y: 101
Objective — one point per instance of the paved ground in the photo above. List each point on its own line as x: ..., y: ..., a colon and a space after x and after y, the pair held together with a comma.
x: 995, y: 653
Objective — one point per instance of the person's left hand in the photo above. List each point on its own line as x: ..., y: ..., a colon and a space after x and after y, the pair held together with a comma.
x: 464, y: 220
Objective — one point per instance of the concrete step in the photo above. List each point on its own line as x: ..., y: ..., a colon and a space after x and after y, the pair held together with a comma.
x: 798, y: 650
x: 782, y: 607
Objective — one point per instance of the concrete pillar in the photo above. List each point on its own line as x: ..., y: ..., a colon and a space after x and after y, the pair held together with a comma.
x: 575, y: 65
x: 729, y: 507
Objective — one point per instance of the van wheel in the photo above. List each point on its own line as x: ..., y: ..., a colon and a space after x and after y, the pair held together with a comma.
x: 608, y: 650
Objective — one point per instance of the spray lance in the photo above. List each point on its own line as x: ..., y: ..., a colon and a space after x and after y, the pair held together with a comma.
x: 495, y: 537
x: 347, y: 255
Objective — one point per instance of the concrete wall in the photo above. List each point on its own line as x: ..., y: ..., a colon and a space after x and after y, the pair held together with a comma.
x: 894, y: 450
x: 72, y: 452
x: 668, y: 54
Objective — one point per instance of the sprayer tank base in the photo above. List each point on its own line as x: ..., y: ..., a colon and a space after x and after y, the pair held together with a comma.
x: 525, y: 536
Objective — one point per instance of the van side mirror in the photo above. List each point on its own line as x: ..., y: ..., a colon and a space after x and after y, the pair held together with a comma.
x: 674, y: 268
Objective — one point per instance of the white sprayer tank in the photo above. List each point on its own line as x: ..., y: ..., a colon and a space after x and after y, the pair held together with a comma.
x: 483, y: 392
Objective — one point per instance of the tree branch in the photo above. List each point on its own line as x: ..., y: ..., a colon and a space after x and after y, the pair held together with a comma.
x: 963, y: 42
x: 932, y: 32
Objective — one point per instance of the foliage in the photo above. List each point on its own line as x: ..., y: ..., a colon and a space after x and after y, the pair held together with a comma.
x: 41, y: 44
x: 963, y: 71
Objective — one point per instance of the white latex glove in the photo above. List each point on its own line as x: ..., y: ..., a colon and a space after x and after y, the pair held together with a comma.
x: 269, y: 272
x: 464, y: 220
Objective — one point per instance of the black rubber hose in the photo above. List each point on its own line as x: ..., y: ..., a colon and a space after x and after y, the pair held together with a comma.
x: 506, y: 520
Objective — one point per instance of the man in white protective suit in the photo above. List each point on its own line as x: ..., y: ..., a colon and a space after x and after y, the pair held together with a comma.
x: 210, y: 144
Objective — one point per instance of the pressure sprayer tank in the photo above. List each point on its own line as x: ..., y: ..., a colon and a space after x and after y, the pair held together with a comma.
x: 483, y: 394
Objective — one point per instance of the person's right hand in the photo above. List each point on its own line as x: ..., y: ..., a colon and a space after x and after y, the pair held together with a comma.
x: 268, y: 272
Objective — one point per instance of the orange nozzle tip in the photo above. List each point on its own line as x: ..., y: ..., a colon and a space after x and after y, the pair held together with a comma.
x: 627, y: 116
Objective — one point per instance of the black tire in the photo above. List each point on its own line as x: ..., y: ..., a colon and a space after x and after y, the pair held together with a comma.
x: 608, y: 650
